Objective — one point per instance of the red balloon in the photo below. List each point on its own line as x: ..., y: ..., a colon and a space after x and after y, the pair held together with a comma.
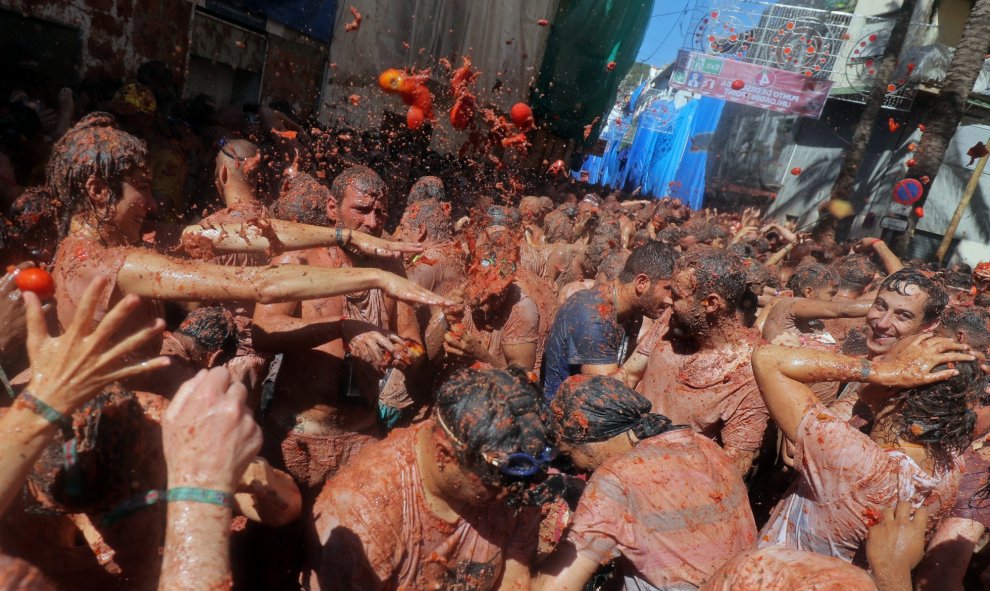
x: 738, y: 85
x: 796, y: 170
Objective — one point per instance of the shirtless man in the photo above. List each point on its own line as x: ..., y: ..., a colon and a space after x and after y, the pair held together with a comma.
x: 847, y: 477
x: 427, y: 507
x: 336, y: 349
x: 797, y: 321
x: 855, y: 273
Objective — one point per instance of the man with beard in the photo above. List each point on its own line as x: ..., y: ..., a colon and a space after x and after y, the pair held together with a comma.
x: 446, y: 514
x: 596, y: 328
x: 697, y: 373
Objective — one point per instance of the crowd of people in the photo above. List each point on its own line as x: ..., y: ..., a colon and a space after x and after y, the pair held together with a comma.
x: 281, y: 355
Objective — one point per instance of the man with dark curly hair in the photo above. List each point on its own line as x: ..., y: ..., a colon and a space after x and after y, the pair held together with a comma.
x: 446, y: 513
x: 697, y: 372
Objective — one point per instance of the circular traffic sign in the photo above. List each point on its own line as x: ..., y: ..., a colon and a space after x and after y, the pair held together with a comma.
x: 908, y: 191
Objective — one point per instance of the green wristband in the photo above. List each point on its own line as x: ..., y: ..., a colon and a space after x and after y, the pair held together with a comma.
x: 39, y: 407
x: 200, y: 495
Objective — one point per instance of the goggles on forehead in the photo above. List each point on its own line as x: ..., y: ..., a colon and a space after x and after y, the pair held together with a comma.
x: 222, y: 142
x: 516, y: 465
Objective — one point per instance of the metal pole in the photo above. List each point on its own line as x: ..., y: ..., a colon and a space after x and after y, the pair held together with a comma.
x: 974, y: 181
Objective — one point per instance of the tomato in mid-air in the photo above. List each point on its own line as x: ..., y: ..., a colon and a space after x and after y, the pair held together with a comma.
x: 36, y: 280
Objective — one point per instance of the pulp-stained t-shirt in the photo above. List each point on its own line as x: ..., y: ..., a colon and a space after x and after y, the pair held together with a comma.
x: 714, y: 392
x: 674, y: 507
x: 846, y: 480
x: 585, y: 331
x: 376, y: 531
x: 775, y: 568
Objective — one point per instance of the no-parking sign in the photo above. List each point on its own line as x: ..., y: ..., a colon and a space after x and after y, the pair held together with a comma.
x: 908, y: 191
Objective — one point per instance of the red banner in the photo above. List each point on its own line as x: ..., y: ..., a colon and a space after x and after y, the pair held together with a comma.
x: 750, y: 84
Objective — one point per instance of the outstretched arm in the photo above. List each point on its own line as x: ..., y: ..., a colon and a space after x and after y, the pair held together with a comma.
x: 783, y: 372
x: 66, y: 372
x: 256, y: 236
x: 152, y: 275
x: 806, y: 309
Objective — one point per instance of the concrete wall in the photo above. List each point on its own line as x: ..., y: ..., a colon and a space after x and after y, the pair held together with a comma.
x: 118, y: 35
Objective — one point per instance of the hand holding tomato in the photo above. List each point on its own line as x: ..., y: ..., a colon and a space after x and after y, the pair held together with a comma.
x: 37, y: 281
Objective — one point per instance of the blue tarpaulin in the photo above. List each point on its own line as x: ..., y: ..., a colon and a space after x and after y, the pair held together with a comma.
x: 662, y: 159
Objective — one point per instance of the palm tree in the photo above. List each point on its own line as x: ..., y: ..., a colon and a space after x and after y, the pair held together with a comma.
x: 855, y: 153
x: 942, y: 119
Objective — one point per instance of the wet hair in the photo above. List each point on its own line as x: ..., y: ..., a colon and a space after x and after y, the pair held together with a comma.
x: 605, y: 240
x: 361, y: 178
x: 716, y: 270
x: 92, y: 147
x: 492, y: 411
x: 854, y: 272
x: 105, y: 441
x: 936, y: 299
x: 500, y: 215
x: 746, y: 251
x: 671, y: 235
x: 813, y: 275
x: 939, y: 415
x: 588, y: 409
x: 958, y: 280
x: 973, y: 321
x: 303, y: 200
x: 427, y: 187
x: 432, y: 215
x: 213, y: 329
x: 613, y: 264
x: 654, y: 259
x: 34, y: 218
x: 982, y: 299
x: 855, y: 343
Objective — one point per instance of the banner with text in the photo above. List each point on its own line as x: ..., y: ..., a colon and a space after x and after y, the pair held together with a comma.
x: 750, y: 84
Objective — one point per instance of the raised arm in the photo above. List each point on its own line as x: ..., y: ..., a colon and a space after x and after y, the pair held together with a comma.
x: 209, y: 437
x: 156, y: 276
x: 783, y: 372
x: 66, y: 372
x: 891, y: 263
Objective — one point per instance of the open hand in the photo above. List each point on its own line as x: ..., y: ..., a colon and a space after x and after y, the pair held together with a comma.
x: 403, y: 289
x: 897, y: 542
x: 208, y: 433
x: 67, y: 371
x: 372, y: 246
x: 910, y: 363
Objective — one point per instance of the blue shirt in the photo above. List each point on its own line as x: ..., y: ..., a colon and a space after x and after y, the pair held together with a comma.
x: 584, y: 332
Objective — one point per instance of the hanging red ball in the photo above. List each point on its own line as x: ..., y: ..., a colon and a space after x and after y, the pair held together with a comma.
x: 738, y: 85
x: 920, y: 212
x: 796, y: 170
x: 911, y: 163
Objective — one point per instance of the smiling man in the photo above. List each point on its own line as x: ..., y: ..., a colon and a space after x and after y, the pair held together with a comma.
x: 909, y: 302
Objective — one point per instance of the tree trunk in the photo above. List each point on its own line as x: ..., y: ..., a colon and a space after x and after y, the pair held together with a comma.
x: 843, y: 187
x: 943, y: 118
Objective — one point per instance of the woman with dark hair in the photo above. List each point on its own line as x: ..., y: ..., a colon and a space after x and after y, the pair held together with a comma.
x: 920, y: 394
x: 101, y: 177
x: 666, y: 501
